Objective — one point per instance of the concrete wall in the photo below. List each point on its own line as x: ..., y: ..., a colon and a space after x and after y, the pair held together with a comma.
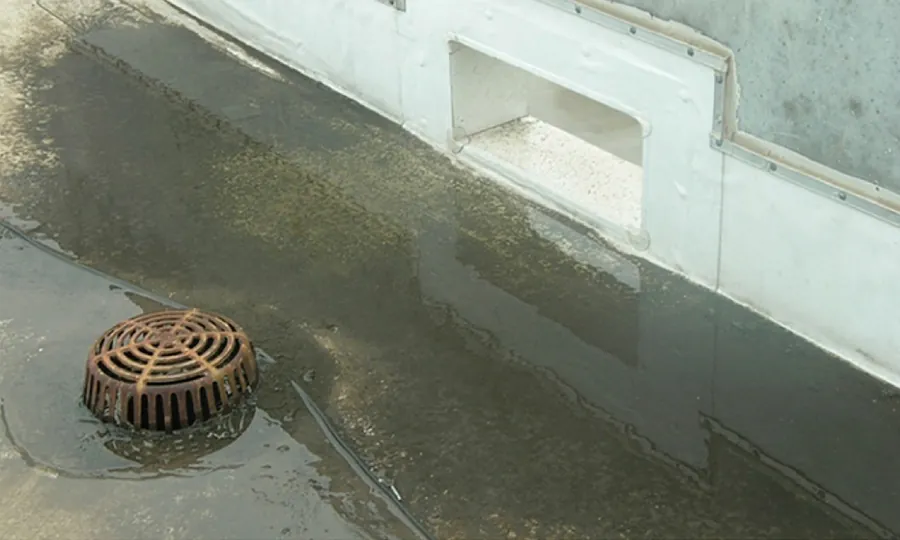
x: 816, y: 76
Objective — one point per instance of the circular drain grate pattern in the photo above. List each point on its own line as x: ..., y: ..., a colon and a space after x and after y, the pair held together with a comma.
x: 169, y: 369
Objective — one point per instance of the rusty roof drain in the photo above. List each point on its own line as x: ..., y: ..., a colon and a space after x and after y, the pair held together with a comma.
x: 168, y: 370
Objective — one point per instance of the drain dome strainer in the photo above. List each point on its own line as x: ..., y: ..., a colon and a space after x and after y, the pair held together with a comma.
x: 168, y: 370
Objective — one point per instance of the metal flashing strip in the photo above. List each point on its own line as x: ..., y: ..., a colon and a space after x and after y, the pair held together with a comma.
x: 652, y: 37
x: 724, y: 134
x: 718, y: 127
x: 814, y: 184
x: 879, y: 203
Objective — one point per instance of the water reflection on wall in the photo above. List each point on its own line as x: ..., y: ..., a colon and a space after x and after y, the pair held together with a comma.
x: 688, y: 373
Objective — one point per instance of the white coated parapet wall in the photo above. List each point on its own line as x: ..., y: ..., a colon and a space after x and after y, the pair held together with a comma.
x: 499, y: 83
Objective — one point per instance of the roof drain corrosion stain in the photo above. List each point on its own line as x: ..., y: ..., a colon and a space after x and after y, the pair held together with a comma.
x: 168, y: 370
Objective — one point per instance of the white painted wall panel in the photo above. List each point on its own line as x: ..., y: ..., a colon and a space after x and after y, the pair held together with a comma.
x: 351, y: 44
x: 820, y: 268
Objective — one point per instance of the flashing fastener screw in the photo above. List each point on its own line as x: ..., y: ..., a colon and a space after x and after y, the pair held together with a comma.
x: 773, y: 167
x: 719, y: 78
x: 633, y: 30
x: 842, y: 196
x: 577, y: 9
x: 690, y: 51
